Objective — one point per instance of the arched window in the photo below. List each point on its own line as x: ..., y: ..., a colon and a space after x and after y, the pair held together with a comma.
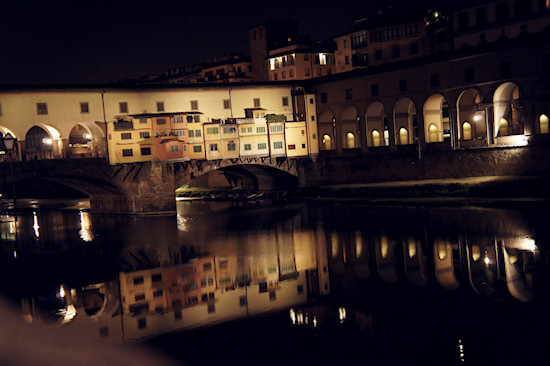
x: 403, y: 136
x: 433, y: 133
x: 543, y: 123
x: 375, y: 138
x: 466, y: 131
x: 350, y: 140
x: 327, y: 142
x: 503, y: 129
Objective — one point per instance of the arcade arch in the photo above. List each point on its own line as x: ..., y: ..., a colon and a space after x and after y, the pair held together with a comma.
x: 43, y: 142
x: 350, y: 119
x: 436, y: 119
x: 508, y: 111
x: 472, y: 121
x: 543, y: 123
x: 326, y: 125
x: 86, y: 141
x: 377, y: 121
x: 405, y: 121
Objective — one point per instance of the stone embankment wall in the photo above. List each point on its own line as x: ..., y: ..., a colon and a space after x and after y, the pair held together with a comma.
x: 399, y: 166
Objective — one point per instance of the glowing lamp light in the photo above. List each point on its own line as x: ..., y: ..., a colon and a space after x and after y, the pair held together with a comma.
x: 477, y: 117
x: 86, y: 136
x: 47, y: 141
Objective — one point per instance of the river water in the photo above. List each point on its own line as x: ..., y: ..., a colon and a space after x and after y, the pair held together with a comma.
x: 294, y: 283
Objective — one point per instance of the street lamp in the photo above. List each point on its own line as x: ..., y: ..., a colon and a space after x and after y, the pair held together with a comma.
x: 9, y: 144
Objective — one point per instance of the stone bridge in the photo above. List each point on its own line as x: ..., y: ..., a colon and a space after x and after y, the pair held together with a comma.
x: 144, y: 187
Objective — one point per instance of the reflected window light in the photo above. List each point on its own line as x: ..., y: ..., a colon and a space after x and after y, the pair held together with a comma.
x: 15, y: 254
x: 461, y: 350
x: 68, y: 313
x: 334, y: 244
x: 292, y: 316
x: 314, y: 321
x: 300, y: 318
x: 85, y: 232
x: 358, y: 244
x: 487, y: 260
x: 183, y: 223
x: 442, y: 250
x: 476, y: 252
x: 384, y: 247
x: 342, y: 314
x: 35, y: 225
x: 61, y: 292
x: 412, y: 247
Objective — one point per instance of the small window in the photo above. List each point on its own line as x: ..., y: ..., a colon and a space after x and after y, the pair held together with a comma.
x: 174, y: 148
x: 139, y: 297
x: 158, y: 293
x: 212, y: 130
x: 143, y: 120
x: 126, y: 136
x: 292, y: 147
x: 142, y: 323
x: 161, y: 121
x: 256, y: 102
x: 260, y: 129
x: 226, y: 104
x: 144, y: 135
x: 145, y: 151
x: 197, y: 148
x: 41, y: 108
x: 177, y: 315
x: 285, y: 101
x: 403, y: 85
x: 197, y: 118
x: 247, y: 147
x: 198, y: 133
x: 278, y: 145
x: 349, y: 94
x: 84, y: 107
x: 434, y: 80
x: 138, y: 280
x: 213, y: 147
x: 123, y: 107
x: 306, y: 71
x: 262, y: 146
x: 243, y: 301
x: 160, y: 106
x: 127, y: 152
x: 469, y: 74
x: 207, y: 266
x: 231, y: 146
x: 194, y: 105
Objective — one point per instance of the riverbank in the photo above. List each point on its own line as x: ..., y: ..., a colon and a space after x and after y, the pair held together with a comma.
x: 489, y: 190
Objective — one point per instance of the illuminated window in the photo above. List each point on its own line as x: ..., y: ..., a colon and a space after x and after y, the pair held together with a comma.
x: 160, y: 106
x: 327, y: 142
x: 466, y: 131
x: 84, y: 107
x: 543, y: 123
x: 350, y: 140
x: 503, y: 127
x: 375, y: 138
x: 123, y: 107
x: 41, y: 108
x: 403, y: 136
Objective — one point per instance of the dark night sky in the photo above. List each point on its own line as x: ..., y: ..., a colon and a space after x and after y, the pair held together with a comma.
x: 59, y: 41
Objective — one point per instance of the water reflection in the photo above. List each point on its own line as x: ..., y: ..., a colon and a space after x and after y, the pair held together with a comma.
x: 323, y: 265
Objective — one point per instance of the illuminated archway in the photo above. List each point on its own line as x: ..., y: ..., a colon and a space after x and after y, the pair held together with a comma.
x: 376, y: 120
x: 375, y: 138
x: 404, y: 116
x: 350, y: 140
x: 80, y: 142
x: 543, y: 123
x: 507, y: 105
x: 43, y: 142
x: 403, y: 136
x: 466, y: 131
x: 503, y: 127
x: 471, y: 114
x: 326, y: 143
x: 350, y: 122
x: 326, y: 125
x: 436, y: 119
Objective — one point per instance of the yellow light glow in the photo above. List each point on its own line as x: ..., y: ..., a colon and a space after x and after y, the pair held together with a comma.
x: 342, y: 314
x: 412, y: 247
x: 476, y: 252
x: 478, y: 117
x: 384, y: 247
x: 35, y: 225
x: 358, y: 244
x: 85, y: 232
